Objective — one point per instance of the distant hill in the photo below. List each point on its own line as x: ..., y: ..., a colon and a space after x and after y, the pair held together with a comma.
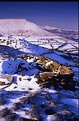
x: 19, y: 26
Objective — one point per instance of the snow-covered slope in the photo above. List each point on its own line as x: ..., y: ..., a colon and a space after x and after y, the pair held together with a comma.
x: 19, y: 26
x: 21, y: 97
x: 48, y: 37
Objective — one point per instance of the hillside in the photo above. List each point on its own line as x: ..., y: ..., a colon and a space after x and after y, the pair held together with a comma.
x: 19, y: 26
x: 38, y: 73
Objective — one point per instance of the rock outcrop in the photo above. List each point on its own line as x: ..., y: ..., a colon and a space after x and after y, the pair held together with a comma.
x: 5, y: 80
x: 52, y: 71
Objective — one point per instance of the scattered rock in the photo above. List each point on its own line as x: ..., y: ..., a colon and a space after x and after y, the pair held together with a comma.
x: 24, y: 100
x: 34, y: 113
x: 2, y: 83
x: 5, y: 112
x: 26, y: 119
x: 11, y: 117
x: 50, y: 111
x: 46, y: 76
x: 16, y: 106
x: 7, y: 79
x: 64, y: 114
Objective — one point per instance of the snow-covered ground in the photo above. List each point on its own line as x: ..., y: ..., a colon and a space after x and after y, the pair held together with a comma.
x: 26, y: 85
x: 21, y: 97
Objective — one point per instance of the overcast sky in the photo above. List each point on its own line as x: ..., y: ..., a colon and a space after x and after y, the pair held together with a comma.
x: 58, y: 14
